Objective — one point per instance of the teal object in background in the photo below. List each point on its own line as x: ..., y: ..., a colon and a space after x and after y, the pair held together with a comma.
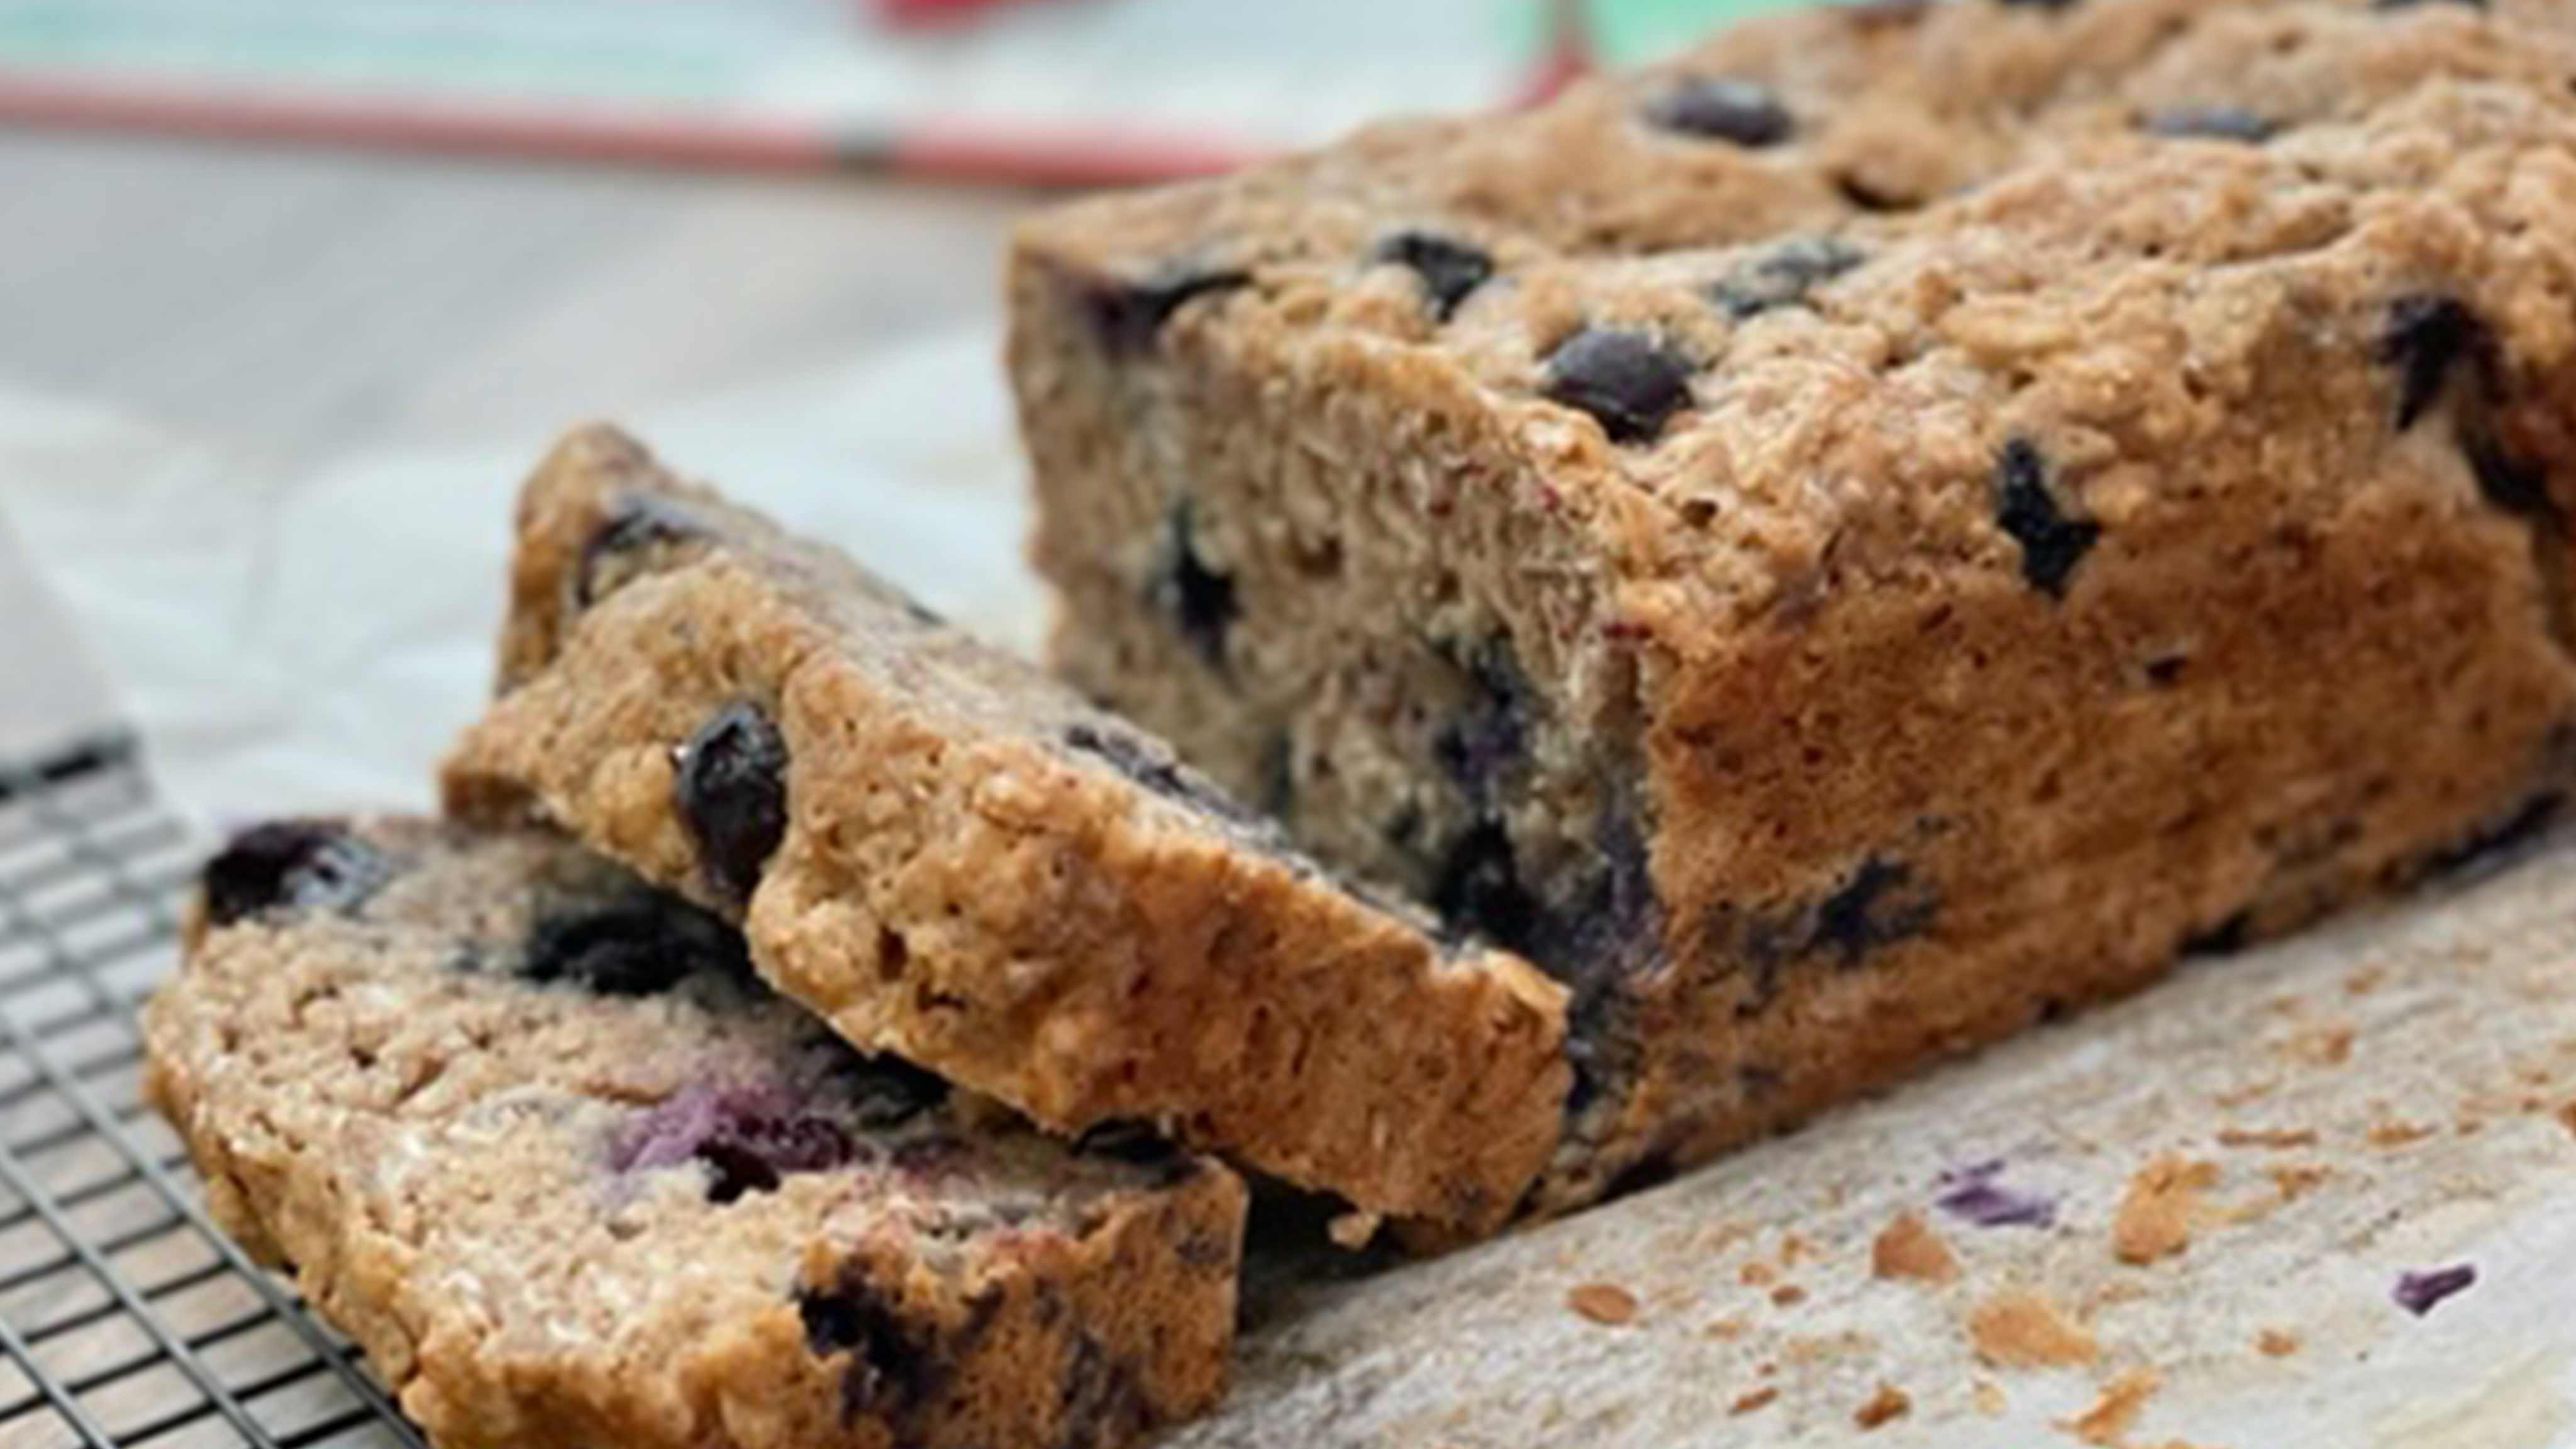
x: 1625, y: 32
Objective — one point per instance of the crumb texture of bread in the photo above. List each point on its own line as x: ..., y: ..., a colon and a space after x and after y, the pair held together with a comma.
x: 535, y: 1138
x: 1892, y: 526
x: 952, y: 857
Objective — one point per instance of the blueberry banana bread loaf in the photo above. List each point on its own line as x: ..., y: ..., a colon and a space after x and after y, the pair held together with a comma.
x: 1831, y: 649
x: 535, y: 1137
x: 951, y: 857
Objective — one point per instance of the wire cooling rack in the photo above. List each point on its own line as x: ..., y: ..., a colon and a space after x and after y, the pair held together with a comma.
x: 126, y: 1318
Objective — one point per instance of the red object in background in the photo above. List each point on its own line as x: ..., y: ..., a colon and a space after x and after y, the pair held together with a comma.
x: 929, y: 12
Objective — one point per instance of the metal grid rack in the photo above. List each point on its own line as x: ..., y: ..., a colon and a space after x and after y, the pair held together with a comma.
x: 126, y: 1317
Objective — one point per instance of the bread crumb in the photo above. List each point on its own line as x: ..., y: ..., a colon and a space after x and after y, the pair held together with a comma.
x: 1788, y: 1295
x: 1888, y: 1403
x: 2018, y: 1328
x: 2327, y: 1045
x: 2155, y: 1219
x: 2250, y: 1091
x: 2276, y: 1343
x: 1354, y: 1230
x: 1748, y: 1402
x: 1988, y: 1396
x: 2107, y: 1422
x: 1603, y: 1303
x: 1756, y: 1274
x: 2393, y: 1132
x: 1792, y: 1249
x: 1725, y: 1329
x: 2271, y: 1137
x: 1908, y: 1248
x: 1827, y: 1348
x: 2364, y: 980
x: 2567, y: 1116
x: 2298, y: 1179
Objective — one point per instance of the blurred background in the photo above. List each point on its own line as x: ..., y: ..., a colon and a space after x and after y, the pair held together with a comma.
x: 296, y: 289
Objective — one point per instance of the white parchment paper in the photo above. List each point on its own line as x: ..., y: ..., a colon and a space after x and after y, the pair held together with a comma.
x: 311, y: 640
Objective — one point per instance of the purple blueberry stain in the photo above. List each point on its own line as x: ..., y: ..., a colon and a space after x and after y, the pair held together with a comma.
x: 1975, y: 1195
x: 2420, y: 1292
x: 750, y: 1138
x: 1199, y: 598
x: 729, y: 786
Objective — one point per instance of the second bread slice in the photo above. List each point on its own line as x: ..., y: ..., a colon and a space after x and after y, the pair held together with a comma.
x: 951, y: 857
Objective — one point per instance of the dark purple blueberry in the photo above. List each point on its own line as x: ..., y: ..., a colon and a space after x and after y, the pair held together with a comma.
x: 1874, y: 908
x: 634, y: 946
x: 730, y: 787
x: 2507, y: 482
x: 1199, y: 599
x: 1627, y: 380
x: 1479, y: 890
x: 2224, y: 939
x: 2052, y: 544
x: 1784, y: 275
x: 2217, y: 123
x: 295, y: 865
x: 1490, y: 735
x: 893, y: 1369
x: 1722, y: 108
x: 1128, y: 317
x: 2427, y: 336
x: 886, y: 1092
x: 1973, y: 1195
x: 2418, y: 1293
x: 749, y: 1138
x: 634, y: 525
x: 1135, y: 1143
x: 1151, y: 764
x: 1449, y: 269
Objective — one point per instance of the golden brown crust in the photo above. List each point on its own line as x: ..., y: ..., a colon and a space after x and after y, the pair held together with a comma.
x: 375, y: 1096
x: 958, y: 885
x: 1952, y: 654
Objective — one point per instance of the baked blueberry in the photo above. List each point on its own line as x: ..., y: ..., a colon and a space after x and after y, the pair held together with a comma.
x: 1200, y: 600
x: 2425, y: 337
x: 749, y: 1139
x: 296, y: 864
x: 1783, y: 275
x: 636, y: 946
x: 1449, y: 269
x: 627, y: 533
x: 1128, y: 317
x: 1722, y: 108
x: 889, y: 1373
x: 1874, y: 908
x: 730, y: 787
x: 2052, y: 544
x: 2220, y: 123
x: 1479, y: 890
x: 1628, y: 381
x: 1490, y: 734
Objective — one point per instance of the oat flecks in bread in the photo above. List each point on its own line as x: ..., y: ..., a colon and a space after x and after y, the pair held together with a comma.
x: 952, y: 857
x: 536, y: 1139
x: 2149, y: 540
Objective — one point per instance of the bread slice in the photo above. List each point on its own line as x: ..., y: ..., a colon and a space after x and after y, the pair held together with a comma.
x: 535, y: 1137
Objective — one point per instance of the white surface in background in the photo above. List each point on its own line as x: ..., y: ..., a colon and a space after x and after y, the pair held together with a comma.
x: 311, y: 640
